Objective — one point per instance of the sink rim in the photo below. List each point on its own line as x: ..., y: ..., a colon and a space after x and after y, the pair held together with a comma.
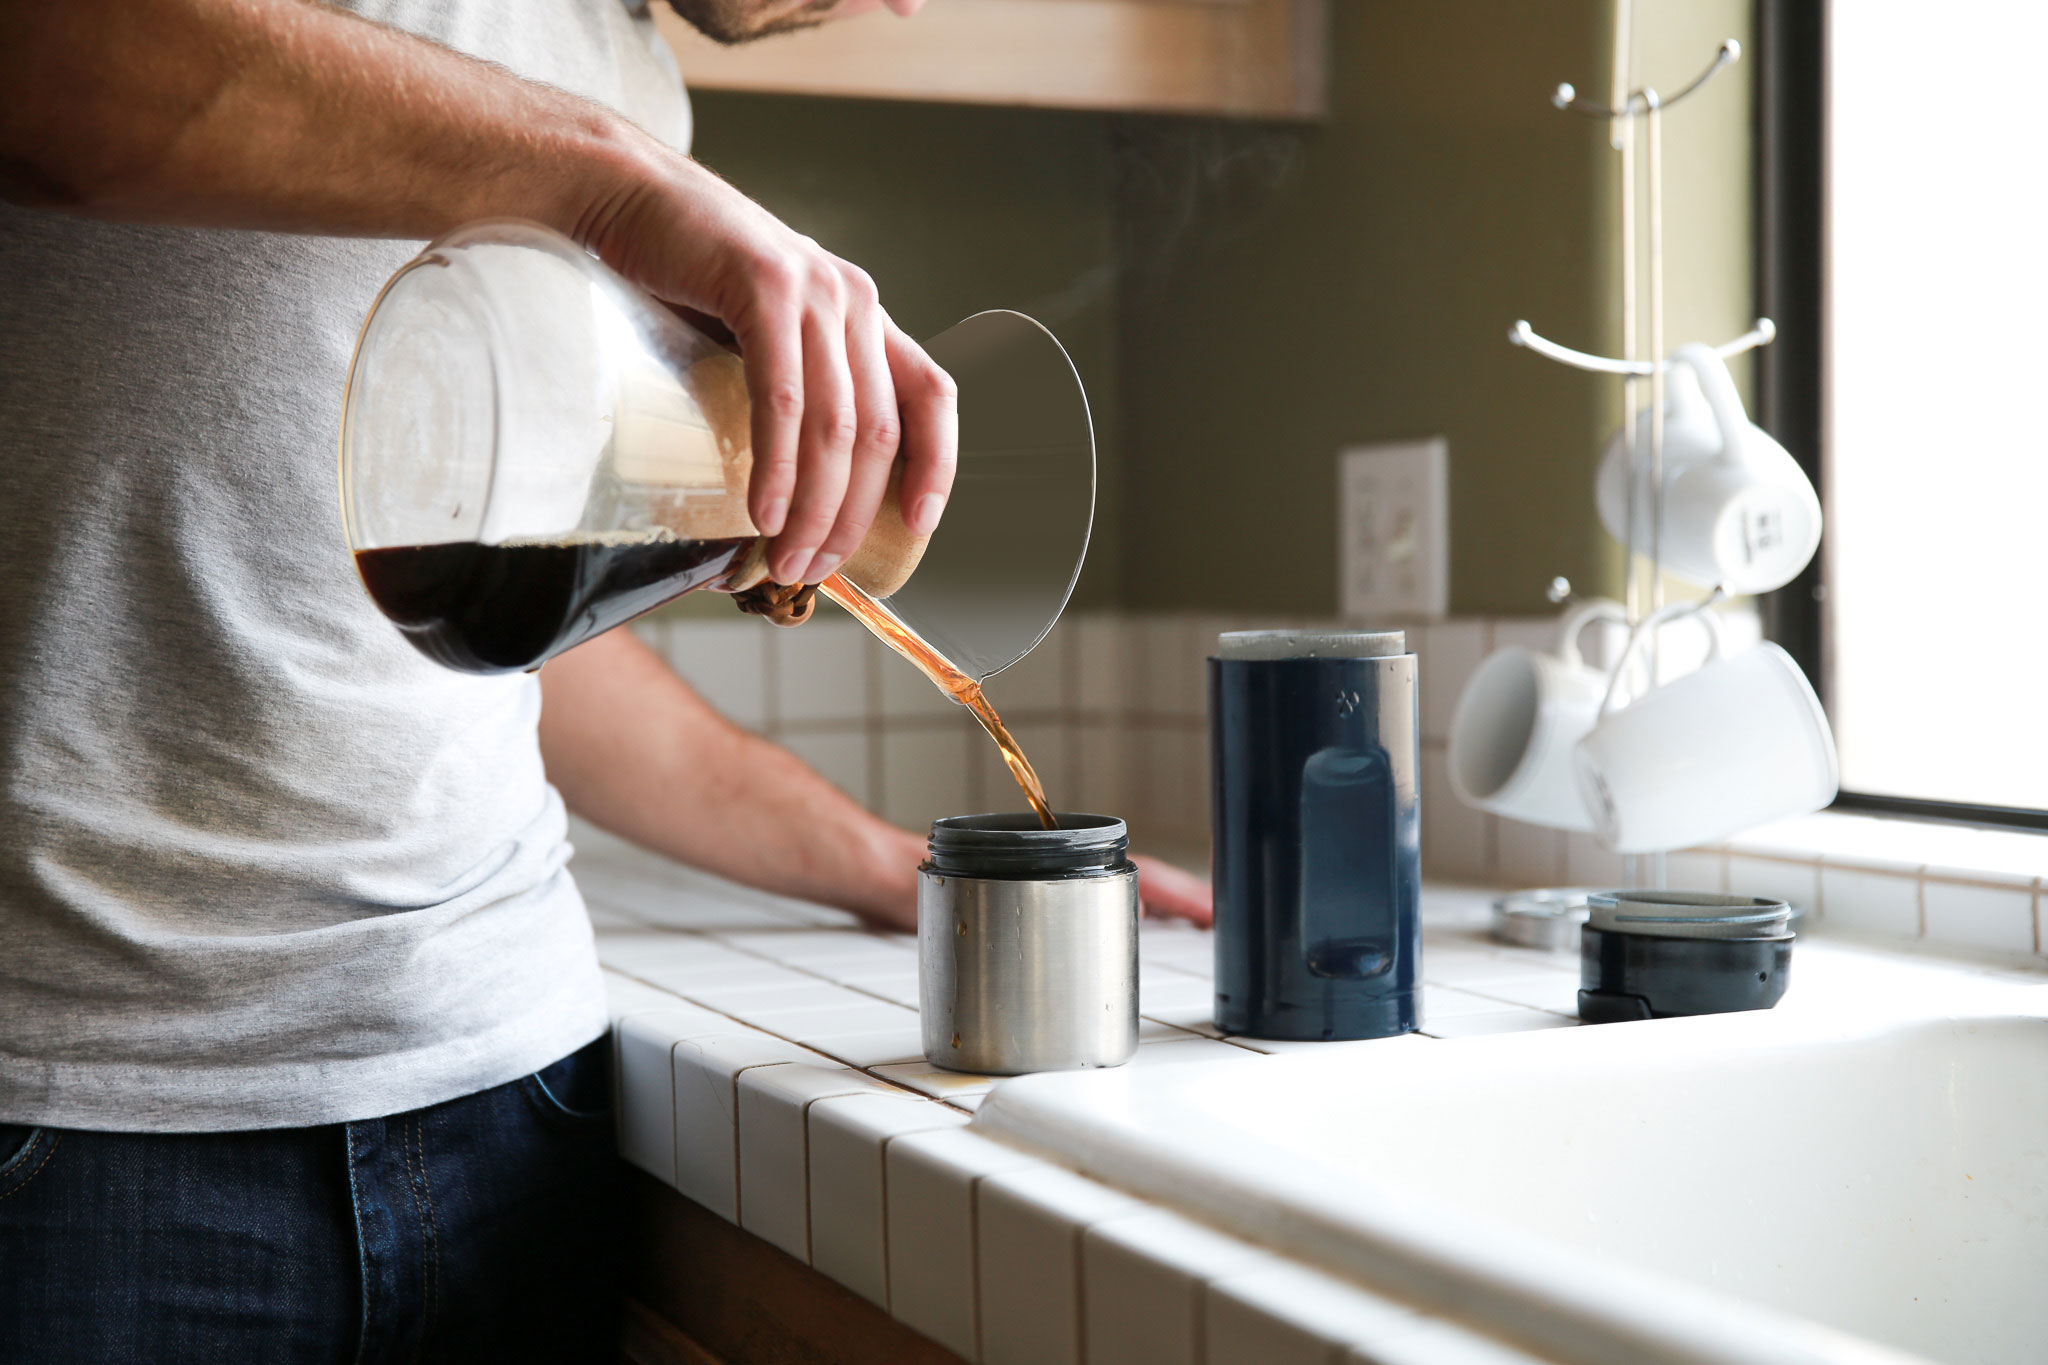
x: 1499, y: 1277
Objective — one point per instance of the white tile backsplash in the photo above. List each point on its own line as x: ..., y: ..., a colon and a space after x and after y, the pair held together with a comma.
x: 907, y: 694
x: 926, y: 773
x: 841, y: 756
x: 1870, y: 902
x: 1450, y: 651
x: 725, y: 661
x: 1696, y: 870
x: 1981, y: 916
x: 1797, y: 884
x: 1164, y: 804
x: 821, y: 672
x: 1111, y: 709
x: 1166, y: 680
x: 1038, y: 683
x: 1455, y: 840
x: 1104, y: 762
x: 1586, y: 863
x: 1102, y: 667
x: 1537, y: 634
x: 1527, y: 855
x: 2012, y: 856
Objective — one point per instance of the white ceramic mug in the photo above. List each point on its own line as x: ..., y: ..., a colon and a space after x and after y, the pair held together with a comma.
x: 1517, y: 720
x: 1740, y: 742
x: 1689, y: 434
x: 1738, y: 510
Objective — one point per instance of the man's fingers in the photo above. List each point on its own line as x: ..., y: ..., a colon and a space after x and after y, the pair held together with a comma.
x: 876, y: 439
x: 772, y: 345
x: 824, y: 447
x: 1169, y: 892
x: 929, y: 405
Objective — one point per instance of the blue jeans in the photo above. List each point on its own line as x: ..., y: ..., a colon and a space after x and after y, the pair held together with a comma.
x: 485, y: 1228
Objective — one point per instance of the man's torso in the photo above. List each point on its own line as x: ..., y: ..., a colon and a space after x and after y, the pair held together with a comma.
x: 264, y: 865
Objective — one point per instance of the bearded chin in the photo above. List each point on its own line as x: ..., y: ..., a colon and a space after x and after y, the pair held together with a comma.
x: 741, y: 21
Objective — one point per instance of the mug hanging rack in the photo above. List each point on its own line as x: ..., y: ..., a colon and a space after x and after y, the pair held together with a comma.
x: 1635, y: 117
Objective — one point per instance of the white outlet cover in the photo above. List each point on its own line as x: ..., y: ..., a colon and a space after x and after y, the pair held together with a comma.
x: 1393, y: 532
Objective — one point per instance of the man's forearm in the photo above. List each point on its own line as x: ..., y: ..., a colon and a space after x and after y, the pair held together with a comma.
x: 290, y: 115
x: 296, y: 116
x: 633, y: 750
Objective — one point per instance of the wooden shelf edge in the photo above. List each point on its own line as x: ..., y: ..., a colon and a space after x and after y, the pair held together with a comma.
x: 1252, y: 59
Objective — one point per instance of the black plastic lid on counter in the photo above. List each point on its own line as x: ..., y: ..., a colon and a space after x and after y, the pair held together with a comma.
x: 1011, y: 846
x: 1643, y: 976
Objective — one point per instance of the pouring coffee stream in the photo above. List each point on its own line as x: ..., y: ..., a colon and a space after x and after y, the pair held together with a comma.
x: 948, y: 678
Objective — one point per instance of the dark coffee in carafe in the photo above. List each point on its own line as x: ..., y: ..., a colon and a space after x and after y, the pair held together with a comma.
x: 502, y: 608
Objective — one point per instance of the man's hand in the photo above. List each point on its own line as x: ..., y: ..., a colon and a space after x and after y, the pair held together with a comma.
x: 300, y: 117
x: 1169, y: 892
x: 634, y: 750
x: 838, y: 388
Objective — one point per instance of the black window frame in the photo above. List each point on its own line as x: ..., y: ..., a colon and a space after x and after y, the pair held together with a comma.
x: 1790, y: 199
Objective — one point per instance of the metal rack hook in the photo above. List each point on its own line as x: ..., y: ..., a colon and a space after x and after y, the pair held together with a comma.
x: 1522, y: 334
x: 1566, y: 96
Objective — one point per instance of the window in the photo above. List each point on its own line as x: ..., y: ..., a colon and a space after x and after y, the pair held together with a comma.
x: 1904, y: 249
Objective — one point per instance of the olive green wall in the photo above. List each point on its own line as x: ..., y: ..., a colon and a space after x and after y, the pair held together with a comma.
x: 1291, y: 291
x: 1364, y: 293
x: 1243, y: 300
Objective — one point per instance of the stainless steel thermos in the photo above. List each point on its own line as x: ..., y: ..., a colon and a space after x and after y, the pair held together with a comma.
x: 1313, y: 744
x: 1028, y: 944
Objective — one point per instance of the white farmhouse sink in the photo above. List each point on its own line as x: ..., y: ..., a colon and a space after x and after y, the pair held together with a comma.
x: 1743, y: 1188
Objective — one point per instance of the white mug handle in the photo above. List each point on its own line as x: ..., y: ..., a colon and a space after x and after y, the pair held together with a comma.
x: 1718, y: 387
x: 1677, y: 611
x: 1576, y: 620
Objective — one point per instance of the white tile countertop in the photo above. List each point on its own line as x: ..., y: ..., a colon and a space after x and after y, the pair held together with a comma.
x: 770, y: 1069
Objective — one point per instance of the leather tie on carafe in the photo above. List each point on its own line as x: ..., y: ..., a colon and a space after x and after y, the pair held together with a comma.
x: 882, y: 563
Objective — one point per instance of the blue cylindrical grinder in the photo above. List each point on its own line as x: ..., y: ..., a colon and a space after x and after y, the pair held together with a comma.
x: 1317, y: 826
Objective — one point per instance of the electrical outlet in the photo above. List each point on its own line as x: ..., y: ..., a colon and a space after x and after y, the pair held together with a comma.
x: 1394, y: 532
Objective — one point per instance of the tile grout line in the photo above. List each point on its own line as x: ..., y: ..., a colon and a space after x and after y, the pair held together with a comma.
x: 1080, y: 1293
x: 771, y: 679
x: 737, y: 1213
x: 804, y: 1130
x: 888, y: 1269
x: 974, y: 1257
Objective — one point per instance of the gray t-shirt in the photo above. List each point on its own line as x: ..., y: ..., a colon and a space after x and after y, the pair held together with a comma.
x: 261, y: 863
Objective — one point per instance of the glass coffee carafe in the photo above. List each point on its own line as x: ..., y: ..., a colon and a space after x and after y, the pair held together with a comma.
x: 534, y: 450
